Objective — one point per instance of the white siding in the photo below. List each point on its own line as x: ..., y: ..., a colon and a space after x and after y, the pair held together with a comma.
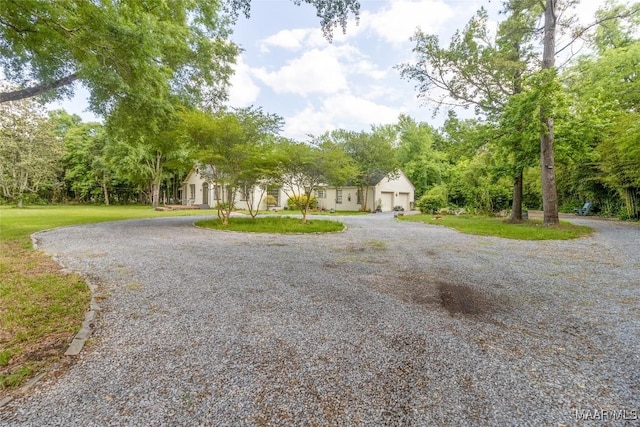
x: 401, y: 190
x: 398, y: 191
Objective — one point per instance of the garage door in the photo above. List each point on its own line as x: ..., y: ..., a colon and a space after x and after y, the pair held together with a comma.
x: 387, y: 201
x: 403, y: 200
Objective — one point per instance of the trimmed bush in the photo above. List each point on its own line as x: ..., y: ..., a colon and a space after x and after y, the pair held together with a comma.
x: 434, y: 199
x: 299, y: 202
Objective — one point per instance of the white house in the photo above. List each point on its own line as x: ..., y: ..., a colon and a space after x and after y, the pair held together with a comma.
x: 386, y: 194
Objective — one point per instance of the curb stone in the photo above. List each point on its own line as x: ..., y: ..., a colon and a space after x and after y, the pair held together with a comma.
x: 79, y: 340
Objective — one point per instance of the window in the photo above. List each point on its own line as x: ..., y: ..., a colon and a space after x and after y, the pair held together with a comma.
x: 192, y: 191
x: 217, y: 192
x: 275, y: 193
x: 338, y: 196
x: 321, y: 193
x: 359, y: 197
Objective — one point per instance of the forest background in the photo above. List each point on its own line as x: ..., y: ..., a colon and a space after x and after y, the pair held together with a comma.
x: 153, y: 109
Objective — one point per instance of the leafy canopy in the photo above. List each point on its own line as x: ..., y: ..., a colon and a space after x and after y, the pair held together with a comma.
x: 142, y: 48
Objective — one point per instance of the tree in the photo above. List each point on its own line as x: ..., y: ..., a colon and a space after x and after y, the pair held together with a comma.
x: 617, y: 26
x: 124, y: 48
x: 480, y: 72
x: 87, y: 170
x: 607, y: 83
x: 262, y: 173
x: 373, y: 155
x: 305, y: 167
x: 116, y: 49
x: 30, y: 153
x: 149, y: 133
x: 417, y: 157
x: 620, y: 160
x: 332, y: 13
x: 232, y: 149
x: 548, y: 87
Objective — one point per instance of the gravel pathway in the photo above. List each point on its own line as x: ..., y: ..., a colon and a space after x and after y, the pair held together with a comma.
x: 388, y: 323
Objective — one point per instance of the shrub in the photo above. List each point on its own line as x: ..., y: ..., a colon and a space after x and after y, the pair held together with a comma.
x: 270, y: 200
x: 434, y: 199
x: 496, y: 197
x: 430, y: 203
x: 299, y: 202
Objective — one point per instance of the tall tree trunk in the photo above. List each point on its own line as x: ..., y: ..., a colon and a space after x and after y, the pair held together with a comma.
x: 518, y: 184
x: 547, y: 163
x: 157, y: 179
x: 363, y: 198
x: 105, y: 191
x: 516, y: 209
x: 155, y: 194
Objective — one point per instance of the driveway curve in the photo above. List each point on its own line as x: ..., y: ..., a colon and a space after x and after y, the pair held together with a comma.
x: 387, y: 323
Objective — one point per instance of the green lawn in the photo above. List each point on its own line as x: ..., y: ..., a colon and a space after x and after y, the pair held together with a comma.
x: 42, y: 308
x: 499, y: 227
x: 296, y: 212
x: 274, y: 224
x: 20, y: 223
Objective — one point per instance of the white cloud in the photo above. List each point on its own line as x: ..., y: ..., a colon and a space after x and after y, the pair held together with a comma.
x: 297, y: 38
x: 320, y: 71
x: 287, y: 39
x: 386, y: 92
x: 367, y: 68
x: 316, y: 71
x: 344, y: 111
x: 243, y: 91
x: 397, y: 23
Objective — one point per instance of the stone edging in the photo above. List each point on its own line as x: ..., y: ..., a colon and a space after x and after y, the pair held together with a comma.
x: 83, y: 334
x: 78, y: 342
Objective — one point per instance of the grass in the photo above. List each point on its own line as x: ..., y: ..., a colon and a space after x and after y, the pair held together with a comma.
x: 41, y: 308
x: 314, y: 213
x: 274, y: 224
x: 20, y: 223
x: 40, y: 311
x: 499, y: 227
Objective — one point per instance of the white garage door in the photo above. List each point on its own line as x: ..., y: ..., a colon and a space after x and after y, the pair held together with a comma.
x: 403, y: 200
x: 387, y: 201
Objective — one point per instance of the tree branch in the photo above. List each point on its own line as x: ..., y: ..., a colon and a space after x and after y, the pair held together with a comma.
x: 37, y: 90
x: 596, y: 23
x: 14, y: 28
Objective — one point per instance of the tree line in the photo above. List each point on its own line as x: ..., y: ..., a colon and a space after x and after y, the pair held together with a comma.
x: 543, y: 135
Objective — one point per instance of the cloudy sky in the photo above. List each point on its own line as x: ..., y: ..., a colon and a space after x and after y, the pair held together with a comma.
x: 290, y: 69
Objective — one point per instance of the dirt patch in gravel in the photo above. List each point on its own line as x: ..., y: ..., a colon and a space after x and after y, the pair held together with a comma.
x: 463, y: 299
x: 456, y: 298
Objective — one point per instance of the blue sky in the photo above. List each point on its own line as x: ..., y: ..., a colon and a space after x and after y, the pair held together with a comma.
x: 288, y: 68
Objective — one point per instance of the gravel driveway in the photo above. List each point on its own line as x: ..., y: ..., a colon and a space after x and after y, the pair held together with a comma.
x: 387, y: 323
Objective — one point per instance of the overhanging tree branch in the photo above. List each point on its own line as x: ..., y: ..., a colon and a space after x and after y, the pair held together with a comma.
x: 584, y: 30
x: 37, y: 90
